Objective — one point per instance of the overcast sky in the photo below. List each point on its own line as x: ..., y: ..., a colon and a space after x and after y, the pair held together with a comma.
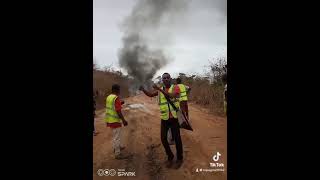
x: 201, y: 36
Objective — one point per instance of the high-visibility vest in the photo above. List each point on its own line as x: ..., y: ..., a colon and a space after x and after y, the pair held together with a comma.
x: 165, y: 105
x: 183, y: 92
x: 111, y: 113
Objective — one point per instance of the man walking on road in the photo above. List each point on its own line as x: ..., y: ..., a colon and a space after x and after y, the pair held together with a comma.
x: 183, y: 99
x: 169, y: 117
x: 113, y: 117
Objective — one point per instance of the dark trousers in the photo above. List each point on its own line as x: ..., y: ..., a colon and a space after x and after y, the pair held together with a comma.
x: 174, y: 125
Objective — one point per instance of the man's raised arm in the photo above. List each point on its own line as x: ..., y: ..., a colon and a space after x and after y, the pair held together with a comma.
x: 148, y: 93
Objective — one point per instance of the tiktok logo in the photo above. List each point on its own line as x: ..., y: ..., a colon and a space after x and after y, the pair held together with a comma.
x: 216, y: 157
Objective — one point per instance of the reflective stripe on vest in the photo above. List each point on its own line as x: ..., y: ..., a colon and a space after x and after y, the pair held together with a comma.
x: 165, y: 105
x: 111, y: 113
x: 183, y: 93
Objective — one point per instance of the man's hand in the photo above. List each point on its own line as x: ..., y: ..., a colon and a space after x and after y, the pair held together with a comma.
x: 141, y: 88
x: 122, y: 102
x: 125, y: 123
x: 148, y: 93
x: 156, y: 87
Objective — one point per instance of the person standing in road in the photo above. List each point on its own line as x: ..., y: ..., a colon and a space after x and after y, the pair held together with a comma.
x: 183, y: 99
x: 113, y: 120
x: 169, y: 117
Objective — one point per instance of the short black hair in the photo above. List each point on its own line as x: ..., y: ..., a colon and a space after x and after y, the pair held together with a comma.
x: 178, y: 80
x: 115, y: 88
x: 165, y: 73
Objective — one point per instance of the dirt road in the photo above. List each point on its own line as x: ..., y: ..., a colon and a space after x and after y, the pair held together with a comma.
x: 142, y: 139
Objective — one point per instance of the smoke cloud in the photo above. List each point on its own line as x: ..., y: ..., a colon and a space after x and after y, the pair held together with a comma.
x: 145, y: 36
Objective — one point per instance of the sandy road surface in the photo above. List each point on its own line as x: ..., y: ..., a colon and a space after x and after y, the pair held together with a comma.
x: 142, y: 139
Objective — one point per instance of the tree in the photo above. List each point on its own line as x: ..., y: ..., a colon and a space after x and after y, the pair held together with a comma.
x: 107, y: 68
x: 218, y: 68
x: 181, y: 75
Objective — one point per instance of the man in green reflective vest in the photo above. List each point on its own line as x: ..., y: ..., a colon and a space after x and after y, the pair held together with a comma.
x: 169, y: 119
x: 184, y: 91
x: 113, y: 119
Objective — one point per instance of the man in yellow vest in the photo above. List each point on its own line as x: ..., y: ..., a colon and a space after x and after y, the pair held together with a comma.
x: 113, y: 119
x: 184, y: 91
x: 168, y: 117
